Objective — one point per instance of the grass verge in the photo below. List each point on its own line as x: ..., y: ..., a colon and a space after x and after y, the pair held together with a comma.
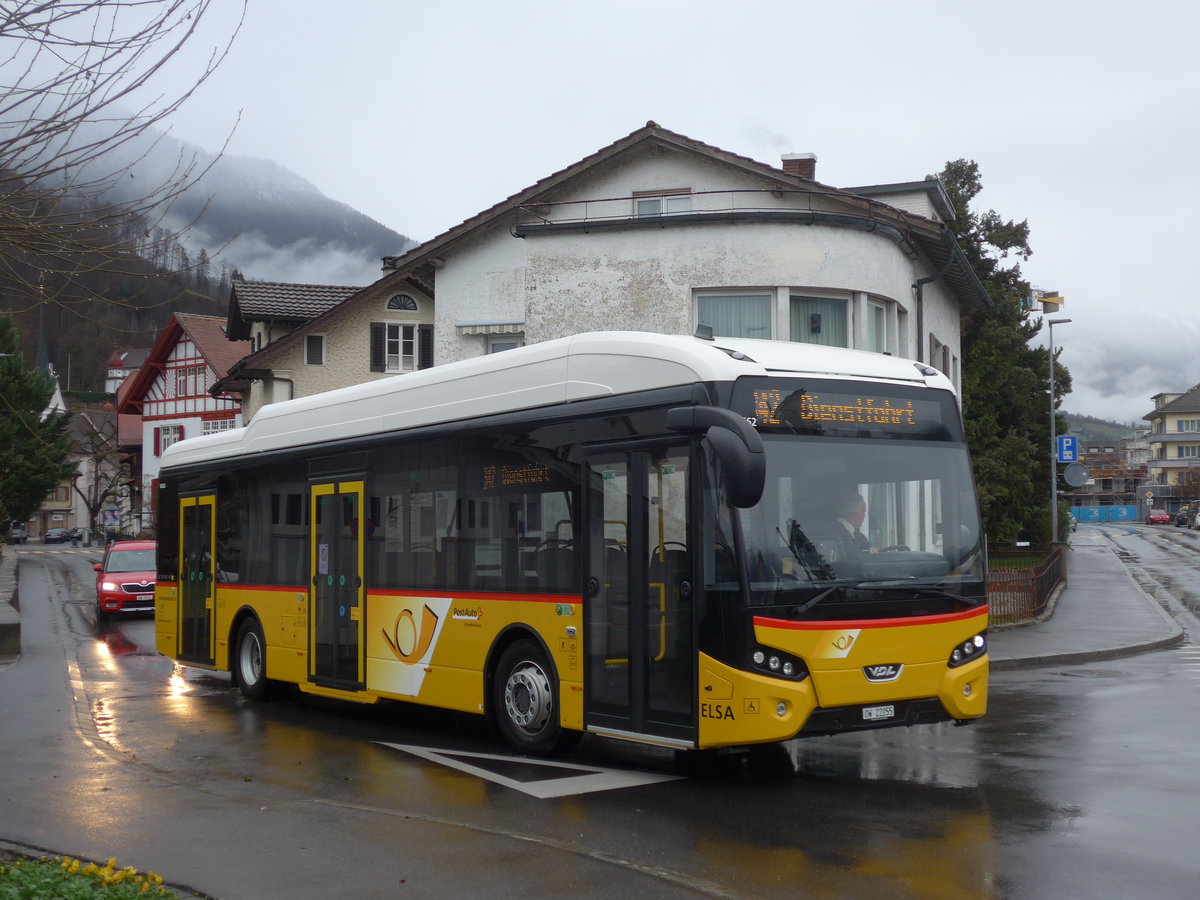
x: 73, y: 879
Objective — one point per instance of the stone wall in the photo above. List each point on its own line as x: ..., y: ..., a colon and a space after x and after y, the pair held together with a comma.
x: 10, y: 619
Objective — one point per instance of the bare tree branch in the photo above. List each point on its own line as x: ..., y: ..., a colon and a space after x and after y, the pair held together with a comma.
x: 78, y: 112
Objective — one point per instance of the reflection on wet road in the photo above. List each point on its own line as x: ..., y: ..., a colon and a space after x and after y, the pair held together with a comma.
x: 1079, y: 782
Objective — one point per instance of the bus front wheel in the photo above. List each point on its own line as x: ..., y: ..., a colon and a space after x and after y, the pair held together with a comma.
x: 525, y: 699
x: 250, y: 660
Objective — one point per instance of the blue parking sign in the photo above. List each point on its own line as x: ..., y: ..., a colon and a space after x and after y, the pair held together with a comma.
x: 1068, y: 449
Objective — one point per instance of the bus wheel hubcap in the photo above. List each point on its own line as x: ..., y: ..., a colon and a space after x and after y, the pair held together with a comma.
x: 251, y: 659
x: 527, y: 697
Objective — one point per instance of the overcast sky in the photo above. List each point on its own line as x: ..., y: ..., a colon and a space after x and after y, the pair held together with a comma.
x: 1082, y: 117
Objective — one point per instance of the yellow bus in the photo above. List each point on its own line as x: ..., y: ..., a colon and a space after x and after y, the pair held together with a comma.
x: 687, y: 542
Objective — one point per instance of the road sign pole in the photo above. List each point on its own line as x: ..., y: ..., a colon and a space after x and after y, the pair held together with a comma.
x: 1053, y: 439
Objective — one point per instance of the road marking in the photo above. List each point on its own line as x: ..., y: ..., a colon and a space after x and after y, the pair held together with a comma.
x: 86, y: 552
x: 544, y: 779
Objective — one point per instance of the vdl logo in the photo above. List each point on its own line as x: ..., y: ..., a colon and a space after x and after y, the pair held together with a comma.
x: 880, y: 674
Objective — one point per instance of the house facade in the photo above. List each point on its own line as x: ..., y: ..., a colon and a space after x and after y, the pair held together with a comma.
x: 659, y: 232
x: 384, y: 332
x: 170, y: 392
x: 1174, y: 435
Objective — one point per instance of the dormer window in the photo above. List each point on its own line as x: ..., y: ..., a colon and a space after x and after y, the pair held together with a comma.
x: 662, y: 203
x: 402, y: 302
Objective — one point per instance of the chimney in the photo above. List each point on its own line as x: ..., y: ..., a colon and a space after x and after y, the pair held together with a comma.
x: 802, y: 164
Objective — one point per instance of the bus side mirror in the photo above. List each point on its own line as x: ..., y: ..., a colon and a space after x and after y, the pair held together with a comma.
x: 736, y: 443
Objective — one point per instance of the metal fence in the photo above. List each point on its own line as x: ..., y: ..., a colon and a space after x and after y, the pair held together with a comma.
x: 1020, y: 587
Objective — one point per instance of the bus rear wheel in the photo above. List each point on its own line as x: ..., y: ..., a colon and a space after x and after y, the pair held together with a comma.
x: 250, y: 660
x: 525, y: 700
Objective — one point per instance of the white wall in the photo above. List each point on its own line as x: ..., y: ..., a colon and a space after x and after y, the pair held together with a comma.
x: 644, y: 278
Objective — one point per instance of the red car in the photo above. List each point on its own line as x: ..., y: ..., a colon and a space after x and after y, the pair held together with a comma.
x: 125, y: 580
x: 1158, y: 517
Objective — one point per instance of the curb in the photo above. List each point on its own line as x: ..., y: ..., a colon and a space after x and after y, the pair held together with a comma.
x: 10, y: 616
x: 1175, y: 636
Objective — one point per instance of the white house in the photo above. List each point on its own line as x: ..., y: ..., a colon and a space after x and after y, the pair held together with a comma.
x: 663, y: 233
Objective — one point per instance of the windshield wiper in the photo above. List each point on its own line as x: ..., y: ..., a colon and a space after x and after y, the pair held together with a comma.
x: 805, y: 552
x: 949, y: 595
x: 883, y: 584
x: 871, y: 584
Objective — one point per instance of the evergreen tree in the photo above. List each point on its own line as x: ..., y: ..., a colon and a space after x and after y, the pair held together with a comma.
x: 1005, y: 380
x: 33, y: 451
x: 203, y: 272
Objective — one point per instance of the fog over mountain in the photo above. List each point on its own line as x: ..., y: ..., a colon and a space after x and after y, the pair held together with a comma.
x: 264, y: 220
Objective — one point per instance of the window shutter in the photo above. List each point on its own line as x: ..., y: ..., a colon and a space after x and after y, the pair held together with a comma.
x: 425, y: 346
x: 179, y: 433
x: 314, y: 350
x: 377, y: 347
x: 157, y: 440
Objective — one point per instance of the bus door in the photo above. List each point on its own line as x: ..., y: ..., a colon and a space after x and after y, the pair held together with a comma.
x: 639, y: 637
x: 335, y: 575
x: 197, y: 584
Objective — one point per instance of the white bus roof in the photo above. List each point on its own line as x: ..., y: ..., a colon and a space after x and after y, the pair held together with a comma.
x: 580, y: 367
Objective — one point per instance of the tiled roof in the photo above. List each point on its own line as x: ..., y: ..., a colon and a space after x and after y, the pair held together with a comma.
x: 208, y: 333
x: 273, y: 300
x: 1188, y: 403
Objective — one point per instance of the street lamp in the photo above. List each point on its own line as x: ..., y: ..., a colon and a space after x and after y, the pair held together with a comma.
x: 1053, y: 439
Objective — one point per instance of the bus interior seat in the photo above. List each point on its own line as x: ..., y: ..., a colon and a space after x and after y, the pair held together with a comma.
x: 424, y: 566
x: 555, y: 566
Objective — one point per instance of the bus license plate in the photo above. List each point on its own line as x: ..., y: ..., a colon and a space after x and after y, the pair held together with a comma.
x: 875, y: 713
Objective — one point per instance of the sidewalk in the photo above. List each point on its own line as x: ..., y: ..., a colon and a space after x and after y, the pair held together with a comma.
x: 1102, y: 613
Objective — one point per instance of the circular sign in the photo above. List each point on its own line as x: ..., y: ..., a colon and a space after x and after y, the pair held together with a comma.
x: 1075, y: 475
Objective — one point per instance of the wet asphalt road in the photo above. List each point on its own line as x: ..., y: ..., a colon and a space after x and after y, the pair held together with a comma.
x: 1081, y: 782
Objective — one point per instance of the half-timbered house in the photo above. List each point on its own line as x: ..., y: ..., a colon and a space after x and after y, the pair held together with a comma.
x: 170, y: 391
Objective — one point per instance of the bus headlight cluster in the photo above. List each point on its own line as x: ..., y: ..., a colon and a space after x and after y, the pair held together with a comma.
x: 968, y: 650
x: 779, y: 664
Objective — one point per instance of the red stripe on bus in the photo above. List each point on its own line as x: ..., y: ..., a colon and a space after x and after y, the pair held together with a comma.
x: 833, y: 625
x: 469, y: 595
x: 261, y: 588
x: 409, y: 592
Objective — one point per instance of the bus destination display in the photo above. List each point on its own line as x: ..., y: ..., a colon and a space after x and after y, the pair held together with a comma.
x: 836, y: 409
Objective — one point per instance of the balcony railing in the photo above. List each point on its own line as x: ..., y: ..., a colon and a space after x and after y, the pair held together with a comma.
x: 600, y: 212
x: 1161, y: 436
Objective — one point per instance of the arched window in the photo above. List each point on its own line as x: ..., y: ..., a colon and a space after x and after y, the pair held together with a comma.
x: 402, y: 301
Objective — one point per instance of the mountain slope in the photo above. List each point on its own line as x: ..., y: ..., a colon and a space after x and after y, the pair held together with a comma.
x: 267, y: 222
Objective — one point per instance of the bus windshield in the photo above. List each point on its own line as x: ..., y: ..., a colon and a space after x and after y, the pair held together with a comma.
x: 865, y: 515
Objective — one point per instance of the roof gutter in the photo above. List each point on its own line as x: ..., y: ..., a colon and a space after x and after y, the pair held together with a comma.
x: 953, y: 254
